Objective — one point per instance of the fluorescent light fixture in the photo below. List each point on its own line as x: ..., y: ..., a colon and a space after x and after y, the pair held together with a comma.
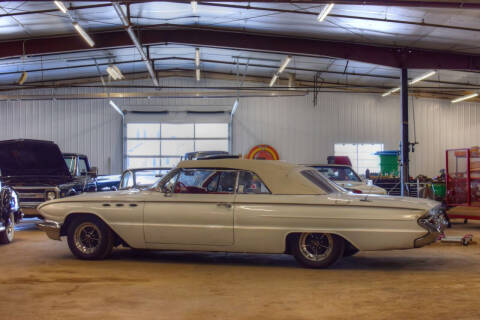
x: 61, y: 6
x: 114, y: 106
x: 324, y: 13
x: 84, y: 35
x: 194, y: 6
x: 197, y: 74
x: 235, y: 106
x: 470, y: 96
x: 389, y: 92
x: 423, y: 77
x: 274, y: 79
x: 284, y: 64
x: 23, y: 78
x: 115, y: 72
x: 197, y: 57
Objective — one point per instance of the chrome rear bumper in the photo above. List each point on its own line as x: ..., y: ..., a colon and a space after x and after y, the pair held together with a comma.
x: 51, y: 228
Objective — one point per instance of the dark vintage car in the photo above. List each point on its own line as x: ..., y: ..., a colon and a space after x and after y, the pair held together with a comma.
x: 38, y: 172
x: 10, y: 214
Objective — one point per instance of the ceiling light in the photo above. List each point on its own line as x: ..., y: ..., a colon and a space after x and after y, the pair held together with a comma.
x: 425, y: 76
x: 284, y: 64
x: 197, y: 57
x: 84, y: 35
x: 470, y: 96
x: 326, y: 10
x: 115, y: 72
x: 194, y: 6
x: 23, y: 78
x: 389, y: 92
x: 197, y: 74
x: 114, y: 106
x: 274, y: 79
x: 61, y: 6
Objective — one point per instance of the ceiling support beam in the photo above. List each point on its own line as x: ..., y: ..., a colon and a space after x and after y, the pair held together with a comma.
x: 128, y: 27
x: 397, y: 57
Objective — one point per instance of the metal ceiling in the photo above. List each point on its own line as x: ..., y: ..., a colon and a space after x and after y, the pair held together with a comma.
x: 252, y: 38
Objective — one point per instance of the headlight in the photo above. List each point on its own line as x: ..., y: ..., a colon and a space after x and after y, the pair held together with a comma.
x: 51, y: 195
x: 434, y: 220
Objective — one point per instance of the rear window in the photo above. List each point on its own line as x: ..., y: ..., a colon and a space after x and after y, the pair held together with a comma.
x: 320, y: 181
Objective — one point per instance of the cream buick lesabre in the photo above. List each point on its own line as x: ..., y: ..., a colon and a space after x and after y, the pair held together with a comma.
x: 233, y: 205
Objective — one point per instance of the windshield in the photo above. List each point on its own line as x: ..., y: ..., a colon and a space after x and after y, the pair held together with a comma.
x: 70, y: 162
x: 337, y: 173
x: 320, y: 181
x: 145, y: 178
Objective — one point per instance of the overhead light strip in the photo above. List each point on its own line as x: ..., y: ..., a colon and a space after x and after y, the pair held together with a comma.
x: 197, y: 57
x: 324, y: 13
x: 84, y: 34
x: 418, y: 79
x: 61, y: 6
x: 197, y: 74
x: 115, y: 72
x: 284, y: 64
x: 194, y: 5
x: 274, y: 79
x: 114, y: 106
x: 460, y: 99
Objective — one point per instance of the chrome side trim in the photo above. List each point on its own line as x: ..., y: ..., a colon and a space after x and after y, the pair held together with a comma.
x: 52, y: 229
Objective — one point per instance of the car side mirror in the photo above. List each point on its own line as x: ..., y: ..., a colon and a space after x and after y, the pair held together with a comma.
x: 93, y: 172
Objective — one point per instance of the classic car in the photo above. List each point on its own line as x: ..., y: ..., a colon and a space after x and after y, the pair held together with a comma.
x: 10, y: 214
x: 141, y: 178
x: 234, y: 205
x: 347, y: 178
x: 38, y: 171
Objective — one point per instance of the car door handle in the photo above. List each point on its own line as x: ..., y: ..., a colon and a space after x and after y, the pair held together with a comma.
x: 223, y: 204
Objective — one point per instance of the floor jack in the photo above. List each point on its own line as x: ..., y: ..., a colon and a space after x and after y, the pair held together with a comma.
x: 465, y: 240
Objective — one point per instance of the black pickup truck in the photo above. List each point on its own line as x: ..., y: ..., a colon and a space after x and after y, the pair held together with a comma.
x: 38, y: 171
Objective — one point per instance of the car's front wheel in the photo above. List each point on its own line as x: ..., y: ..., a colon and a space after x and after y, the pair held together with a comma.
x: 317, y: 250
x: 7, y: 235
x: 89, y: 238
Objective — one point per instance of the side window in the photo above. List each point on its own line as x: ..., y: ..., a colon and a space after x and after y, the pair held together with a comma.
x: 127, y: 180
x: 205, y: 181
x: 249, y: 182
x: 82, y: 166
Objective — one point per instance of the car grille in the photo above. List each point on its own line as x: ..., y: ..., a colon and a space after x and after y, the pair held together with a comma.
x: 31, y: 197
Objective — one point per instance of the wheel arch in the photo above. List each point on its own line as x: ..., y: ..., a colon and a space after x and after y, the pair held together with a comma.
x: 291, y: 236
x: 74, y: 215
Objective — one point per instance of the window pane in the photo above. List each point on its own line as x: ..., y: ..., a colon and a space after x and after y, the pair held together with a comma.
x: 361, y: 155
x: 143, y: 147
x: 176, y: 147
x: 143, y: 162
x: 249, y: 182
x: 211, y: 145
x: 170, y: 130
x: 169, y: 162
x: 211, y: 130
x: 143, y: 130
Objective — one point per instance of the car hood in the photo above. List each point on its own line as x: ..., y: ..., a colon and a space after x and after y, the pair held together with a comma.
x: 365, y: 188
x: 31, y: 158
x: 376, y: 200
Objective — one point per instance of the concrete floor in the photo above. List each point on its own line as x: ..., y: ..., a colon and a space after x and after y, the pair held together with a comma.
x: 39, y: 279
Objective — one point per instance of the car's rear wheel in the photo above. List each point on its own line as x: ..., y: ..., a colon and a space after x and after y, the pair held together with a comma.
x: 317, y: 250
x: 8, y: 234
x: 90, y: 238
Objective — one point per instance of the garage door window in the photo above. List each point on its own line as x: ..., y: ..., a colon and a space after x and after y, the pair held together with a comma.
x: 362, y: 155
x: 163, y: 144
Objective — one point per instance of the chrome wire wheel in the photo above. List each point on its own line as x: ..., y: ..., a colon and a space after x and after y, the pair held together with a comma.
x: 10, y: 230
x: 316, y: 246
x: 87, y: 237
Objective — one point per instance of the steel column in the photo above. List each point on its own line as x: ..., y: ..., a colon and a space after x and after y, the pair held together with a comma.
x: 404, y: 174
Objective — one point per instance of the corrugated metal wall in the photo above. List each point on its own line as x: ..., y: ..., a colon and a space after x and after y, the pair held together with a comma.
x: 304, y: 134
x: 91, y: 127
x: 300, y: 132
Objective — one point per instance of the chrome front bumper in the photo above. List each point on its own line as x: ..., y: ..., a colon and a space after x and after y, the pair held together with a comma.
x: 51, y: 228
x: 434, y: 222
x: 429, y: 238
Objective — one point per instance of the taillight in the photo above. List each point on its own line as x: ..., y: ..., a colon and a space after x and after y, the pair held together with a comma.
x: 354, y: 190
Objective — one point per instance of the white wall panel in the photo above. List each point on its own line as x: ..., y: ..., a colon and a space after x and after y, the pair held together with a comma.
x: 91, y: 127
x: 304, y: 134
